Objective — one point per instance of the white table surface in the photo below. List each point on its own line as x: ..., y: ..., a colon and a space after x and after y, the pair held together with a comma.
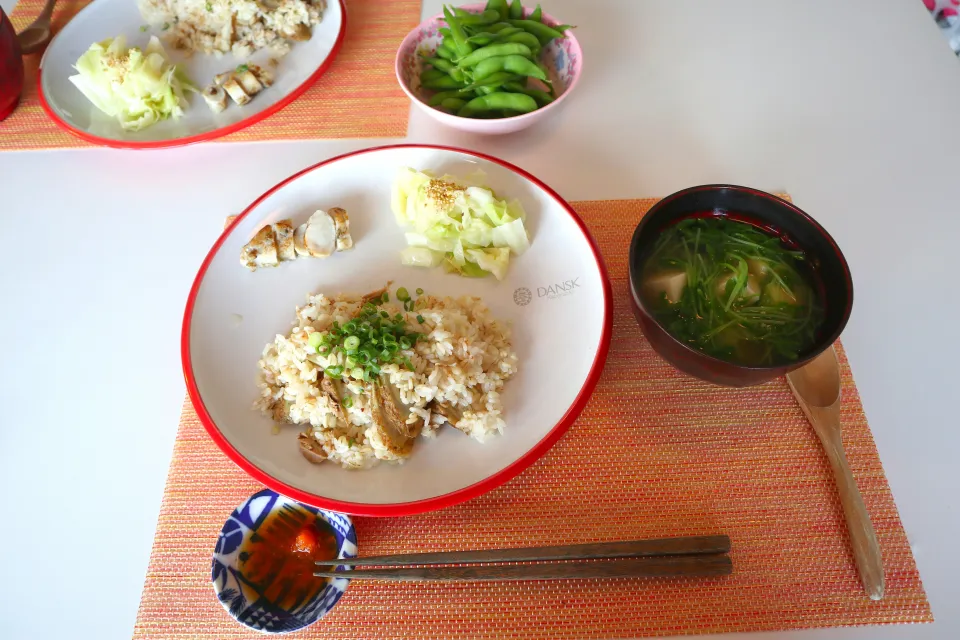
x: 850, y: 106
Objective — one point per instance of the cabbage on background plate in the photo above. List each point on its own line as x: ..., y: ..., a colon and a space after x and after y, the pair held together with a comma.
x: 138, y: 88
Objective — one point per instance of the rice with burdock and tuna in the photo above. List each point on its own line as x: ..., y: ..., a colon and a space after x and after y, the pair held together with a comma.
x: 233, y: 26
x: 452, y: 374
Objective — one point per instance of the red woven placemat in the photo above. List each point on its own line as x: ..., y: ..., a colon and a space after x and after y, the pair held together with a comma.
x: 358, y: 96
x: 654, y: 454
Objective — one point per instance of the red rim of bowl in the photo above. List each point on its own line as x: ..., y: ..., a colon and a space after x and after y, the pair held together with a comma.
x: 397, y: 63
x: 209, y: 135
x: 437, y: 502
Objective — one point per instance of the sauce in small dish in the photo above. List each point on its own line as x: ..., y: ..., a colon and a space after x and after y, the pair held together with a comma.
x: 263, y: 563
x: 278, y: 558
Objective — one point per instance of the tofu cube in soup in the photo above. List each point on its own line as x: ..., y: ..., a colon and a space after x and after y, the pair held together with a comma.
x: 668, y: 283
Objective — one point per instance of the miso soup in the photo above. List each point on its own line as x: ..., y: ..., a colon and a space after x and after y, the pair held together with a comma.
x: 732, y: 291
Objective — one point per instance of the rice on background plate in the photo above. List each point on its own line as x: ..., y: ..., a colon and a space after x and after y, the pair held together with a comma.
x: 457, y: 370
x: 233, y: 26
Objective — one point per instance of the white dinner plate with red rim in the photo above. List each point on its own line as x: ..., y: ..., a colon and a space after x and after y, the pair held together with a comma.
x: 556, y: 296
x: 103, y: 19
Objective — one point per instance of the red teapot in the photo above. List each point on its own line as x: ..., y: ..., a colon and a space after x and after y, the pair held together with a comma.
x: 11, y: 67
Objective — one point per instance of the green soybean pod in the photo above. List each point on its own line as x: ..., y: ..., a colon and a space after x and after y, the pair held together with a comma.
x: 482, y: 91
x: 525, y: 38
x: 478, y: 19
x: 483, y: 39
x: 439, y: 63
x: 461, y: 46
x: 445, y: 32
x: 497, y: 27
x: 542, y: 97
x: 445, y: 51
x: 543, y: 33
x: 500, y: 49
x: 453, y: 104
x: 428, y: 75
x: 516, y: 9
x: 440, y: 96
x: 514, y: 64
x: 488, y: 67
x: 498, y: 101
x: 493, y: 80
x: 446, y: 82
x: 500, y: 6
x: 537, y: 14
x: 524, y: 67
x: 499, y: 35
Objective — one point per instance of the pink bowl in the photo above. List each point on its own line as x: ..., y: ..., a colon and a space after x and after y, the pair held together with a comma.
x: 563, y: 58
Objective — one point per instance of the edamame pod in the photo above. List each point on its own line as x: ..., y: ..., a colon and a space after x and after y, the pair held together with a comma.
x: 500, y: 6
x: 542, y: 97
x: 445, y: 51
x: 468, y: 19
x: 525, y: 38
x: 460, y: 43
x: 438, y: 98
x: 543, y: 33
x: 494, y: 80
x: 446, y: 82
x: 498, y: 101
x: 501, y: 49
x: 514, y: 64
x: 453, y: 105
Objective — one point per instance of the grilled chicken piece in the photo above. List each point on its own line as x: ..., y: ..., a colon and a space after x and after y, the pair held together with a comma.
x: 235, y: 90
x: 321, y: 235
x: 249, y: 82
x: 220, y: 78
x: 311, y: 449
x: 216, y: 98
x: 388, y: 428
x: 264, y: 75
x: 261, y: 251
x: 298, y: 242
x: 284, y: 232
x: 342, y: 224
x: 396, y: 410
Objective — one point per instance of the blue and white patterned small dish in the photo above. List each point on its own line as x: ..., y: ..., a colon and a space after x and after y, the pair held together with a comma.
x: 245, y: 601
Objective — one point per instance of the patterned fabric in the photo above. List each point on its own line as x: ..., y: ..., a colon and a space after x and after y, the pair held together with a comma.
x: 358, y: 96
x: 947, y: 15
x: 654, y: 454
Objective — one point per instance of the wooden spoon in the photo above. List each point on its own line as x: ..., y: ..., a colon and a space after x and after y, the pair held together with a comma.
x: 37, y: 34
x: 817, y: 388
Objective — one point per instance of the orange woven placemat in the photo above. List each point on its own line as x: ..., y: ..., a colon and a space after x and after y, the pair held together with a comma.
x: 358, y: 96
x: 654, y: 454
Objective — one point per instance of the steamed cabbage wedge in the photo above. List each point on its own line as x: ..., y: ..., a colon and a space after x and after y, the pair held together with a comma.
x: 138, y: 88
x: 457, y: 223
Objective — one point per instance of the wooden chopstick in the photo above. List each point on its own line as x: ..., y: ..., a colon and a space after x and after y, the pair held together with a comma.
x: 690, y: 545
x: 644, y: 567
